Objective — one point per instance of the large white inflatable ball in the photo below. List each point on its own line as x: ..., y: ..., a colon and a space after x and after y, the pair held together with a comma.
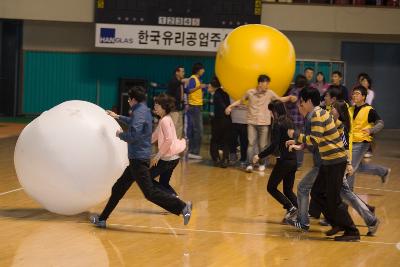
x: 68, y: 158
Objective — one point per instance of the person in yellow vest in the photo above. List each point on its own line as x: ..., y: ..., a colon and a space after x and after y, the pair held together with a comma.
x: 365, y: 123
x: 194, y: 116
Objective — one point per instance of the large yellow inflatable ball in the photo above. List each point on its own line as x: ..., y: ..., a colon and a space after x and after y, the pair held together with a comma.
x: 251, y: 50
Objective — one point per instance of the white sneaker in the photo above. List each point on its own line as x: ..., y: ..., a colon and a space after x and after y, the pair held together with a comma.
x: 249, y: 168
x: 368, y: 155
x: 194, y: 156
x: 261, y: 168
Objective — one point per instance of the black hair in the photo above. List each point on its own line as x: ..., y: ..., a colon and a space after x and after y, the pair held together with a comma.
x: 309, y: 93
x: 338, y: 73
x: 369, y: 80
x: 178, y: 68
x: 362, y: 90
x: 342, y: 109
x: 280, y: 114
x: 334, y: 91
x: 263, y: 78
x: 308, y: 68
x: 138, y: 93
x: 215, y: 82
x: 362, y: 74
x: 300, y: 81
x: 166, y: 102
x: 197, y: 67
x: 320, y: 73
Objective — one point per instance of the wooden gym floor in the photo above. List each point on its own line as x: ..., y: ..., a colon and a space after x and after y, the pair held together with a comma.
x: 234, y: 223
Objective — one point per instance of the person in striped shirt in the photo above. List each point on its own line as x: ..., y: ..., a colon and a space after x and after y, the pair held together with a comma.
x: 326, y: 138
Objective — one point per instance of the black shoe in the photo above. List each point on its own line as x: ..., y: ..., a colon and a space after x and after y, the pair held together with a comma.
x: 216, y: 163
x: 223, y: 164
x: 334, y: 231
x: 348, y: 237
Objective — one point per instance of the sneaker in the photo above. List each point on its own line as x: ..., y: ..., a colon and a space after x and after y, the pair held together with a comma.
x: 249, y: 168
x: 368, y: 155
x: 324, y: 222
x: 373, y: 228
x: 194, y: 156
x: 95, y: 220
x: 298, y: 225
x: 261, y: 168
x: 385, y: 178
x: 334, y: 231
x: 291, y: 214
x: 223, y: 164
x: 348, y: 237
x: 187, y: 213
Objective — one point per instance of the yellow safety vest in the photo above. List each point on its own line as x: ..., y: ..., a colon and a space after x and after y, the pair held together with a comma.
x: 196, y: 98
x: 360, y: 123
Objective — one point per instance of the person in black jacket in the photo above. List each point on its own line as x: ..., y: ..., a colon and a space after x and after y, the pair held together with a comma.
x: 286, y: 166
x: 221, y: 125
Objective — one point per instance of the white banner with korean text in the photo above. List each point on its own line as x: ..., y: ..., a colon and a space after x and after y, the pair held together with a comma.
x: 159, y: 37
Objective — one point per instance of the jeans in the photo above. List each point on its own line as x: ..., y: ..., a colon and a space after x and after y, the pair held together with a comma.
x: 195, y: 129
x: 303, y: 195
x: 351, y: 199
x: 359, y: 150
x: 258, y: 136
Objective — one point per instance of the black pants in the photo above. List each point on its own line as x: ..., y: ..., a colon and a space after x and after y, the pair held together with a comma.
x: 138, y: 170
x: 314, y: 209
x: 164, y: 169
x: 239, y: 132
x: 326, y: 194
x: 283, y: 170
x: 221, y: 136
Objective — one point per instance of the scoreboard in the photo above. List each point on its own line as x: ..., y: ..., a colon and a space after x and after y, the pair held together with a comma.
x: 181, y: 13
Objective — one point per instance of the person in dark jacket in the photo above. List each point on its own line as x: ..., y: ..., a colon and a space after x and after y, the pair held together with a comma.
x: 138, y: 138
x: 286, y: 166
x: 221, y: 125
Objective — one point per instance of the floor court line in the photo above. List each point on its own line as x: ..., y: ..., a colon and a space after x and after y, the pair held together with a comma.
x: 232, y: 232
x: 171, y: 229
x: 11, y: 191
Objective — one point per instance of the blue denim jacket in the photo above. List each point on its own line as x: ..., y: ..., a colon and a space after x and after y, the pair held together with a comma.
x: 139, y: 132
